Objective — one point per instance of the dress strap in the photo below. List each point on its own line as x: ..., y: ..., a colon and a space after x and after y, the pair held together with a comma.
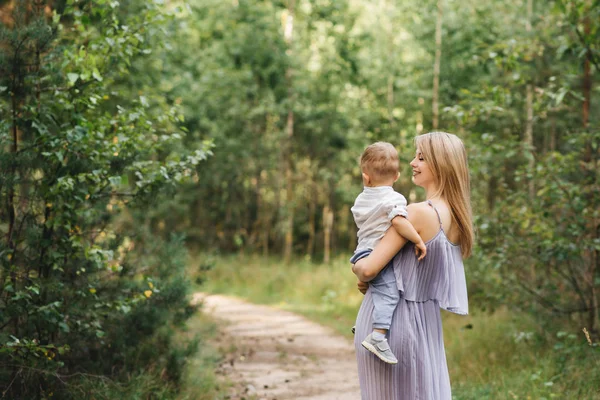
x: 437, y: 212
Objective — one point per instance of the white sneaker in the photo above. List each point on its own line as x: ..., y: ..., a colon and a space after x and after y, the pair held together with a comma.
x: 380, y: 348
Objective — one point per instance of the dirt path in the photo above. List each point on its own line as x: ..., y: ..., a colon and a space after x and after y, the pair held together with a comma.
x: 274, y: 354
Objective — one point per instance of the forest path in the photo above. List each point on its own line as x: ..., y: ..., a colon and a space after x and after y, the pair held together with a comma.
x: 275, y: 354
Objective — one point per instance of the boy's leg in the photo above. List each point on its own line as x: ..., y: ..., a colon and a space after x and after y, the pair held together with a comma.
x: 358, y: 256
x: 385, y: 295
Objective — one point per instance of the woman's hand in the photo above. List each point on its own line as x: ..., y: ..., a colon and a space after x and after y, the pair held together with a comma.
x: 362, y: 286
x: 367, y: 268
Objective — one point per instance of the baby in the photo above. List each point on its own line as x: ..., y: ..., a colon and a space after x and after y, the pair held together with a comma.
x: 376, y: 209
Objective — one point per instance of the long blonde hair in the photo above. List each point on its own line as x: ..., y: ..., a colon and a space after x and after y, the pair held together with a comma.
x: 447, y: 158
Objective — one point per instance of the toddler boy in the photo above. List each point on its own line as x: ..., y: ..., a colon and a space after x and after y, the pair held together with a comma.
x: 374, y: 210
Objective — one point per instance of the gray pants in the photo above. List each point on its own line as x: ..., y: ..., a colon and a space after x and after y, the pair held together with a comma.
x: 385, y: 295
x: 384, y: 292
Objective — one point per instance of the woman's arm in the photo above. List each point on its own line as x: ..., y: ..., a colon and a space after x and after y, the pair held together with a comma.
x: 368, y: 267
x: 391, y: 243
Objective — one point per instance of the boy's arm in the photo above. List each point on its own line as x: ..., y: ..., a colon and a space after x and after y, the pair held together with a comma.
x: 399, y: 217
x: 406, y: 229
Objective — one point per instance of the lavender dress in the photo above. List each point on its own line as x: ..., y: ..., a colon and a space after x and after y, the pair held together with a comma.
x: 415, y: 337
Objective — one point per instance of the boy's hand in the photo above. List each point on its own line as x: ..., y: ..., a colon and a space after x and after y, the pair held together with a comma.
x: 420, y: 250
x: 362, y: 287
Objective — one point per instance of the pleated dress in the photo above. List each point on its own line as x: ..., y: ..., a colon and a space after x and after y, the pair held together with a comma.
x: 415, y: 336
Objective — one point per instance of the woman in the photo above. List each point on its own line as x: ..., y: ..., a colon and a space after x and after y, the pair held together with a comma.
x: 444, y: 222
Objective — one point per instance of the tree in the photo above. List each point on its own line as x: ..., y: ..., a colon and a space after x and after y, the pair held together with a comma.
x: 78, y: 293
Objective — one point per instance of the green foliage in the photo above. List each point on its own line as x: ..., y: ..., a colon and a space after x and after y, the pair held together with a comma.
x: 544, y: 247
x: 537, y: 205
x: 235, y: 89
x: 200, y: 381
x: 86, y: 288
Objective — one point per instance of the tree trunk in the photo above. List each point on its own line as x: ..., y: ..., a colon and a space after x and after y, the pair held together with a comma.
x: 390, y: 101
x: 436, y: 65
x: 587, y: 82
x: 312, y: 210
x: 590, y: 159
x: 11, y: 242
x: 255, y: 232
x: 553, y: 135
x: 289, y: 192
x: 491, y: 195
x: 528, y: 138
x: 266, y: 229
x: 327, y: 225
x: 289, y: 225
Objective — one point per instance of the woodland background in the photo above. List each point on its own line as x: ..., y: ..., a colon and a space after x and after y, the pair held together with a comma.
x: 136, y: 136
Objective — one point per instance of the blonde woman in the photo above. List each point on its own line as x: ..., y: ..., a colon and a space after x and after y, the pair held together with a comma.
x: 444, y: 222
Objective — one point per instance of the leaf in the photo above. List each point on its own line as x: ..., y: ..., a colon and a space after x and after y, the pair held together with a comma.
x: 560, y: 96
x: 72, y: 77
x: 34, y: 289
x: 96, y: 75
x: 115, y: 180
x: 148, y: 293
x: 65, y: 328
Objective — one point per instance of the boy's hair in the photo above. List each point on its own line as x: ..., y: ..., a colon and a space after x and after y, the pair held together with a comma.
x: 380, y: 161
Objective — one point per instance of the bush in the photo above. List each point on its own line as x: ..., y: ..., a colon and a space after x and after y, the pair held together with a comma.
x: 86, y: 288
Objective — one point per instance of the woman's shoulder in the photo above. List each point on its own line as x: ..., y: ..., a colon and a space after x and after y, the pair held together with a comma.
x: 420, y: 212
x: 424, y: 219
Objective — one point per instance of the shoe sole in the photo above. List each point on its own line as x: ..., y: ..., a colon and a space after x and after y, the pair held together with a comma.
x: 373, y: 350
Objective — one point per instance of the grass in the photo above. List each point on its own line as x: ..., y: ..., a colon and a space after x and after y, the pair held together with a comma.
x: 322, y: 293
x: 490, y: 356
x: 199, y: 379
x: 198, y: 382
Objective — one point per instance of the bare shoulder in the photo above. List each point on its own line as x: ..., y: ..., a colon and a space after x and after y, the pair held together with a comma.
x: 424, y: 219
x: 418, y: 210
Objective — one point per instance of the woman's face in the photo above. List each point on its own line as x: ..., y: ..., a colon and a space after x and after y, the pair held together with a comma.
x: 421, y: 173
